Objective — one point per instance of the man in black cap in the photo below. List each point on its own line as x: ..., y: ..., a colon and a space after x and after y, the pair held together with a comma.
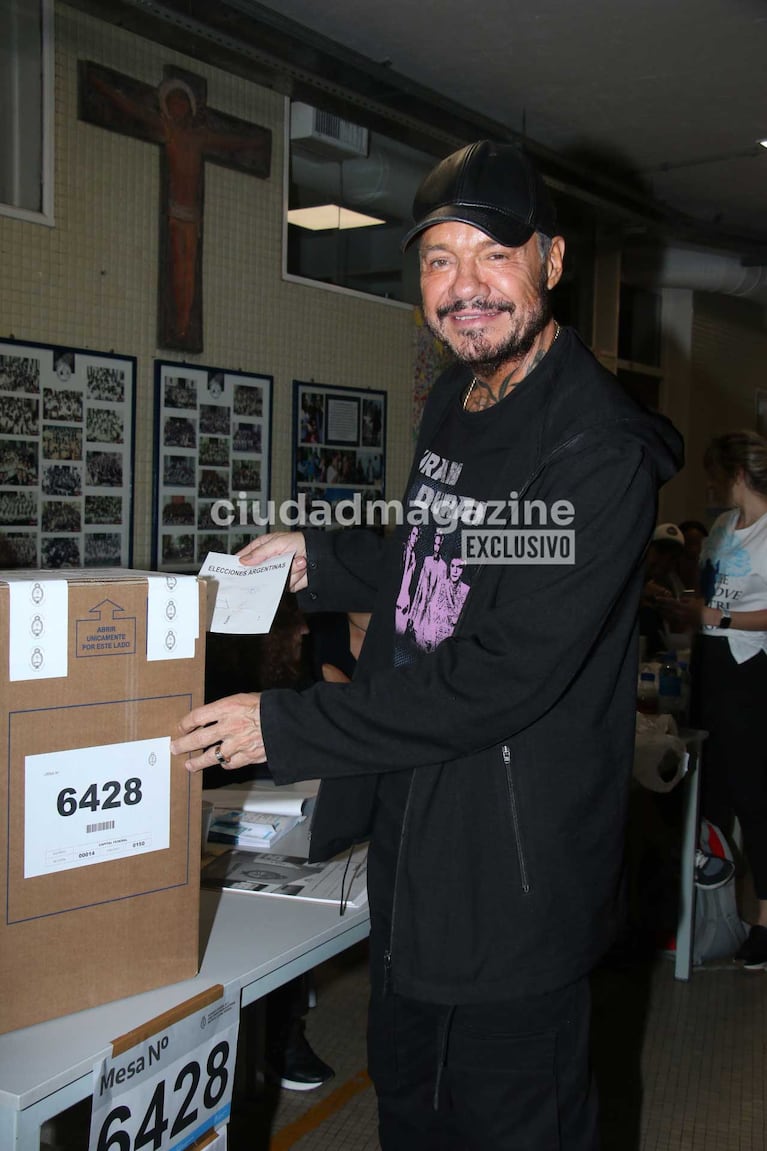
x: 487, y: 762
x: 484, y: 216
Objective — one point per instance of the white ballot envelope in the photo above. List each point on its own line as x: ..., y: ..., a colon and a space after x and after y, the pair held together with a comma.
x: 246, y: 598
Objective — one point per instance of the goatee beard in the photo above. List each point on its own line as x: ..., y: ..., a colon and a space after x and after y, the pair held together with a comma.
x: 478, y: 353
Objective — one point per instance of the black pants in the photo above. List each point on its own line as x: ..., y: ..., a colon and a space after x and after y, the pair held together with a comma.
x: 510, y: 1076
x: 730, y: 702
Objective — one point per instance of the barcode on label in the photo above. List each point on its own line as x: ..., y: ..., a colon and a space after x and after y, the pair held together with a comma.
x: 106, y: 825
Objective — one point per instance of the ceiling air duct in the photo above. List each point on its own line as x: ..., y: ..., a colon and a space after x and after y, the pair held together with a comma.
x: 699, y: 270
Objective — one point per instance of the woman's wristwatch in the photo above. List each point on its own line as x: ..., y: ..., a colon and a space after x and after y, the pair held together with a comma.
x: 724, y: 621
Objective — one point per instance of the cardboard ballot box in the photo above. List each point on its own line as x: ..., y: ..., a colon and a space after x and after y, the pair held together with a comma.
x: 99, y: 825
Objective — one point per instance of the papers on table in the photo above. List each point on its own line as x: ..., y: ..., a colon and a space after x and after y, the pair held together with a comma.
x: 249, y: 829
x: 342, y: 879
x: 246, y: 597
x: 263, y: 795
x: 256, y: 815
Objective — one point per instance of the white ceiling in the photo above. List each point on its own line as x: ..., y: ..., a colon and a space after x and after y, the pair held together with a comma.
x: 671, y: 93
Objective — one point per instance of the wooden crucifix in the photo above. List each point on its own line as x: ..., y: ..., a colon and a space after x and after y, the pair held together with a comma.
x: 175, y: 115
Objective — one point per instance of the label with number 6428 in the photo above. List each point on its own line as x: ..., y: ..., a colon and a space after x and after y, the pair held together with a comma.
x: 91, y: 804
x: 165, y: 1092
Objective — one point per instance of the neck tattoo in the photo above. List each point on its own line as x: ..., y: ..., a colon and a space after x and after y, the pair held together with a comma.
x: 474, y: 380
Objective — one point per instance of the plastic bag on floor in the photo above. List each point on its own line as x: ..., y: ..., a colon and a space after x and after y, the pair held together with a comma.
x: 719, y: 930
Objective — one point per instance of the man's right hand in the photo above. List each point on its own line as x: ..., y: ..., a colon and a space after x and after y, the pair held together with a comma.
x: 265, y: 547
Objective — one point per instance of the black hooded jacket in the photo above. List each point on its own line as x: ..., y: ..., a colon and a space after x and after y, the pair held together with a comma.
x: 508, y: 748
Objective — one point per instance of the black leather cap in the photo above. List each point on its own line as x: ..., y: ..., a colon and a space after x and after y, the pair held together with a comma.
x: 493, y: 187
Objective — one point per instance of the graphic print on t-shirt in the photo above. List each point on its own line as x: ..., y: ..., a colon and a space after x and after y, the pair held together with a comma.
x: 431, y: 595
x: 733, y: 578
x: 724, y: 558
x: 435, y: 579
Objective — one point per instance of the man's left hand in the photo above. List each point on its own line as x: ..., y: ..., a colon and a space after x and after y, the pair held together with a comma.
x: 226, y: 732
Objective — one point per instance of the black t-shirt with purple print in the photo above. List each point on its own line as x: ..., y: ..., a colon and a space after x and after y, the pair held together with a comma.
x: 456, y: 475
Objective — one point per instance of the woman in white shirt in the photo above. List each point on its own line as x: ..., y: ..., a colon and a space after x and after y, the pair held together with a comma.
x: 730, y: 661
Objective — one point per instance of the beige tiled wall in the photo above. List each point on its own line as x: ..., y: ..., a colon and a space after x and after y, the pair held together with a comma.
x: 91, y: 281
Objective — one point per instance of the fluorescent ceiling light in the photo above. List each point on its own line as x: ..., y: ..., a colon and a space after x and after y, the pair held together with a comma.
x: 763, y: 143
x: 326, y: 216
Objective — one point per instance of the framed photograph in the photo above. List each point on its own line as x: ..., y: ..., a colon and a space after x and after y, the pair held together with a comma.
x: 339, y: 447
x: 760, y: 404
x: 213, y: 462
x: 67, y: 426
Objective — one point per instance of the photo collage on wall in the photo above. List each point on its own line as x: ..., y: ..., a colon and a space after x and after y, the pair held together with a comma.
x: 66, y: 457
x: 340, y: 444
x: 213, y: 461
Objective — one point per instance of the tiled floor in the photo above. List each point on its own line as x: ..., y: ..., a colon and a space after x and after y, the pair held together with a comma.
x: 681, y: 1066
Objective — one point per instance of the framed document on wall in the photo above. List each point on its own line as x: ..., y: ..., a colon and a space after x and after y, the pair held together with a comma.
x: 213, y: 461
x: 339, y: 448
x: 67, y: 419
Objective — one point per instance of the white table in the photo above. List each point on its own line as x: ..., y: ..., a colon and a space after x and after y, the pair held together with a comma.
x: 248, y: 942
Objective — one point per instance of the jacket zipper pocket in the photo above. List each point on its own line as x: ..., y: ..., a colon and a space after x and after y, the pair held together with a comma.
x: 387, y: 971
x: 387, y: 957
x: 524, y: 879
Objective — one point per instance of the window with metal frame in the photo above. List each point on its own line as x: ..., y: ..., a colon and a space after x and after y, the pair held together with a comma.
x: 26, y: 109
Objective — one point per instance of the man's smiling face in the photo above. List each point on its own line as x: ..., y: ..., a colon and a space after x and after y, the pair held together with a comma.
x: 486, y: 302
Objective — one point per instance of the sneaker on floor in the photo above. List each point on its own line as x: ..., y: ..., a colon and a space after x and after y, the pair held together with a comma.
x: 752, y: 953
x: 301, y: 1069
x: 712, y: 871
